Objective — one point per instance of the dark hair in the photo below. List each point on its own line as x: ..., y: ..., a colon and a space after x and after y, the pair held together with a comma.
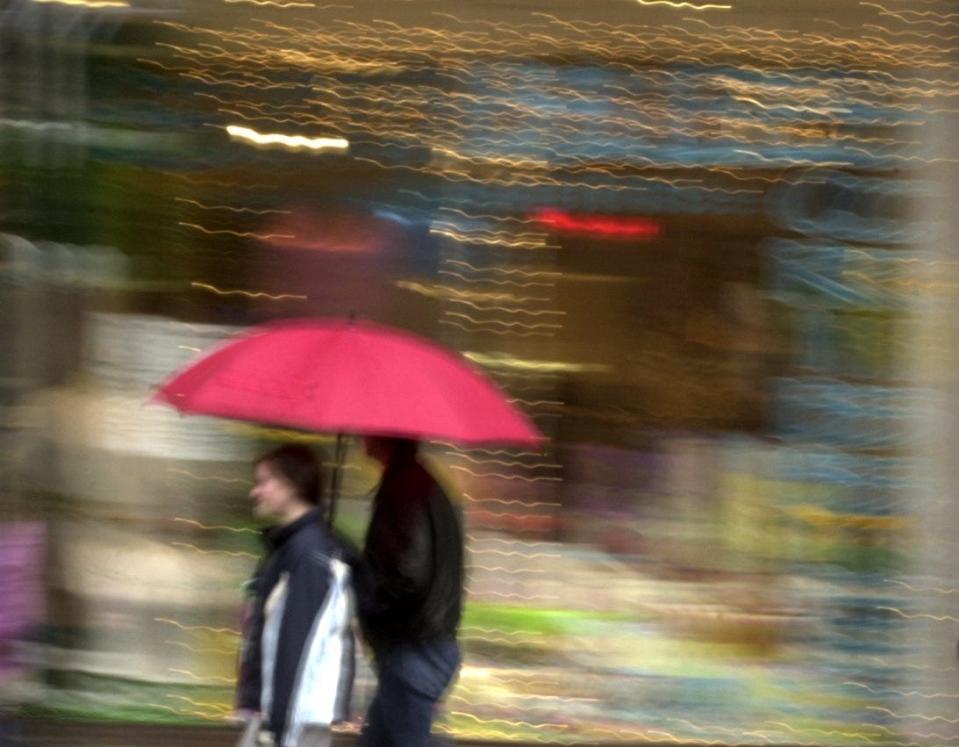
x: 298, y: 465
x: 399, y: 446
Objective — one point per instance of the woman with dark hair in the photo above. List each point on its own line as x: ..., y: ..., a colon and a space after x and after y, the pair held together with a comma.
x: 296, y: 665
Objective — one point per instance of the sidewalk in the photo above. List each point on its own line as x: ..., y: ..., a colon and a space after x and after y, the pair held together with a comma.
x: 51, y: 733
x: 55, y: 733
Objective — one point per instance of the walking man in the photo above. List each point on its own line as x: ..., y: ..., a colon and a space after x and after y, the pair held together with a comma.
x: 412, y: 608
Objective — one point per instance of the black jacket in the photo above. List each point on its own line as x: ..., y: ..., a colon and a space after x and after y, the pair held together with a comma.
x: 414, y: 559
x: 296, y: 567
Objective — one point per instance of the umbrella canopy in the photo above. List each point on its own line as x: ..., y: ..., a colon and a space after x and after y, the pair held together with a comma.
x: 342, y: 376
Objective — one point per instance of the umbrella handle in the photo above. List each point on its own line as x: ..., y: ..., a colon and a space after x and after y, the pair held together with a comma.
x: 336, y: 479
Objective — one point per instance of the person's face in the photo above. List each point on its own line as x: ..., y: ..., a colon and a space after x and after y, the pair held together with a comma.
x: 273, y: 496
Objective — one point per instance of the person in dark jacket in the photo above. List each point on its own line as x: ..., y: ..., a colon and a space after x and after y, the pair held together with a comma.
x: 410, y: 611
x: 297, y: 661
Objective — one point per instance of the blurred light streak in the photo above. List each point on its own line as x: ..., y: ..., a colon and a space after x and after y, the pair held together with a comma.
x: 275, y: 434
x: 500, y: 641
x: 272, y: 3
x: 515, y: 554
x: 201, y: 704
x: 511, y: 571
x: 211, y: 478
x: 607, y: 227
x: 914, y: 716
x: 487, y: 330
x: 230, y: 553
x: 25, y: 124
x: 490, y: 239
x: 293, y: 142
x: 180, y: 712
x: 924, y: 589
x: 498, y: 360
x: 939, y: 19
x: 515, y: 502
x: 87, y: 3
x: 512, y: 542
x: 903, y: 693
x: 480, y: 281
x: 832, y: 732
x: 209, y: 680
x: 920, y: 615
x: 200, y: 628
x: 513, y: 596
x: 684, y: 5
x: 504, y: 270
x: 498, y: 322
x: 503, y: 463
x: 457, y: 295
x: 508, y: 722
x: 202, y: 649
x: 502, y: 476
x: 489, y: 452
x: 248, y: 294
x: 232, y: 209
x: 215, y: 527
x: 238, y: 234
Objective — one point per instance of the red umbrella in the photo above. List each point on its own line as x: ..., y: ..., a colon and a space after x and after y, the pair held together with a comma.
x: 349, y: 377
x: 342, y: 376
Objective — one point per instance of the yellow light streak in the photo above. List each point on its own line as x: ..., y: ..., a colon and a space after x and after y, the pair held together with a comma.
x: 229, y: 553
x: 510, y: 571
x: 934, y: 589
x: 202, y: 649
x: 491, y: 331
x: 508, y: 722
x: 524, y: 364
x: 504, y: 463
x: 214, y: 527
x: 200, y: 628
x: 230, y: 208
x: 683, y: 5
x: 210, y: 478
x: 503, y: 476
x: 904, y: 693
x: 271, y: 3
x: 295, y: 142
x: 916, y: 716
x: 88, y: 3
x: 919, y: 615
x: 238, y: 234
x: 248, y: 294
x: 537, y: 241
x: 457, y: 295
x: 202, y: 704
x: 208, y: 680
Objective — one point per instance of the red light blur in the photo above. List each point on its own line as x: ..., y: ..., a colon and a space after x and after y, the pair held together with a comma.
x: 600, y: 226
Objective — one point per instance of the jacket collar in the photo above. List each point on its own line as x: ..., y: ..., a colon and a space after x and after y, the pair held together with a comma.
x: 277, y: 536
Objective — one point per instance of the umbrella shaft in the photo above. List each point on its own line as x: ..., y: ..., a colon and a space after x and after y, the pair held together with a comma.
x: 337, y: 477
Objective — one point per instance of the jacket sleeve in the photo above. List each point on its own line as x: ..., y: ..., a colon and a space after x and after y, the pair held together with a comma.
x: 400, y: 563
x: 249, y: 675
x: 308, y: 587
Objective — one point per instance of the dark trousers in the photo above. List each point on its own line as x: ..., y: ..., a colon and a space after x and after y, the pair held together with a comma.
x: 411, y: 679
